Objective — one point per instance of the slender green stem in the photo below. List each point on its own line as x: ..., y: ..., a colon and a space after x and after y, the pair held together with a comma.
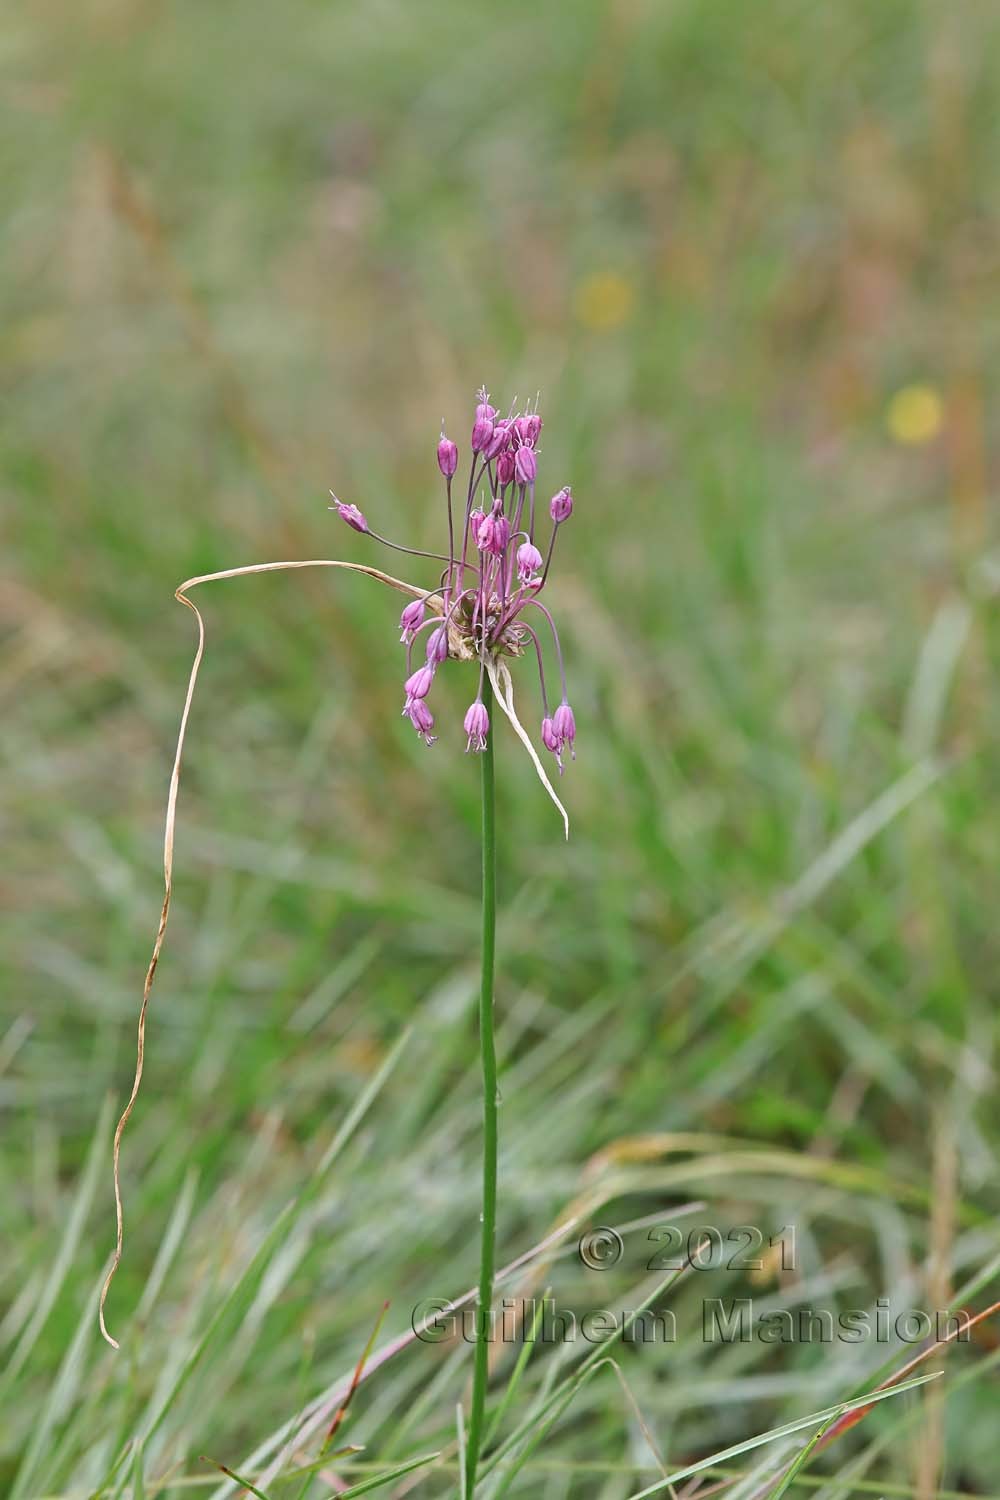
x: 487, y: 1046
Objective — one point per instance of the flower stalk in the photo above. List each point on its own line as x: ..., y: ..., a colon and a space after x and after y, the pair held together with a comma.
x: 487, y: 1048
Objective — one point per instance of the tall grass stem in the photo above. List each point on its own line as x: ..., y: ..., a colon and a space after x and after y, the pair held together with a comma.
x: 487, y: 1047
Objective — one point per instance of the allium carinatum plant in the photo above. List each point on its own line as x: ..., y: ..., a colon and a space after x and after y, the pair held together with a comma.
x: 484, y: 610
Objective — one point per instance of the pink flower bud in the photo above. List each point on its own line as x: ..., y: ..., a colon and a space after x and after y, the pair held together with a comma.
x: 561, y: 505
x: 505, y: 469
x: 350, y: 514
x: 500, y: 440
x: 529, y: 560
x: 528, y: 428
x: 484, y: 409
x: 447, y: 456
x: 482, y: 430
x: 559, y: 731
x: 493, y: 532
x: 525, y: 465
x: 418, y: 684
x: 477, y: 726
x: 437, y: 645
x: 411, y: 620
x: 564, y: 726
x: 420, y: 717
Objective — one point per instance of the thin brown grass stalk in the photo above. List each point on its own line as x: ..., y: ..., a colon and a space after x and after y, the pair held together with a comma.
x: 181, y: 594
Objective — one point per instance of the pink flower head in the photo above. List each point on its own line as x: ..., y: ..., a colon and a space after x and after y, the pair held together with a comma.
x: 483, y: 603
x: 447, y: 456
x: 437, y: 644
x: 418, y: 684
x: 561, y: 505
x: 525, y: 465
x: 529, y: 561
x: 493, y: 532
x: 477, y: 726
x: 411, y: 620
x: 421, y: 718
x: 350, y: 514
x: 505, y: 468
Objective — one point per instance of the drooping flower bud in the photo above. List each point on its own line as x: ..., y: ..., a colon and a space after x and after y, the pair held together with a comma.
x: 529, y: 561
x: 447, y: 456
x: 528, y: 428
x: 437, y: 645
x: 418, y: 684
x: 564, y: 725
x: 351, y: 514
x: 561, y: 505
x: 420, y: 717
x: 484, y: 409
x: 477, y: 726
x: 553, y: 741
x: 505, y: 469
x: 493, y: 532
x: 525, y: 465
x: 483, y: 533
x: 411, y: 620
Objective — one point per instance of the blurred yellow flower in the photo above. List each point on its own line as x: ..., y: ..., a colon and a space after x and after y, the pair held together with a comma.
x: 915, y: 414
x: 604, y: 300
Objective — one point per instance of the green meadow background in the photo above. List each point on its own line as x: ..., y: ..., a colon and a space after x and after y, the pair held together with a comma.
x: 749, y: 256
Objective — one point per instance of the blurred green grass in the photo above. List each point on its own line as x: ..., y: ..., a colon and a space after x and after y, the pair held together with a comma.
x: 252, y: 253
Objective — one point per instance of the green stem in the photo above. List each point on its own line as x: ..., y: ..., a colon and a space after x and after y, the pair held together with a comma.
x: 487, y: 1047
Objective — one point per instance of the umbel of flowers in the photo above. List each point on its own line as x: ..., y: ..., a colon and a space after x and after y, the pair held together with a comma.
x: 486, y: 604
